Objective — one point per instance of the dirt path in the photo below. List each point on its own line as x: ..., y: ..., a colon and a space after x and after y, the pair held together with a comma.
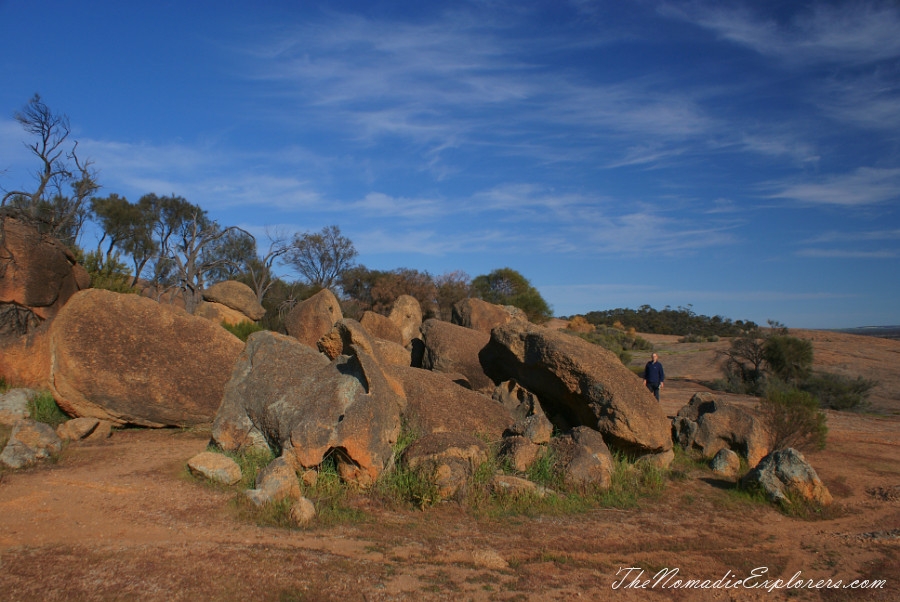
x: 121, y: 520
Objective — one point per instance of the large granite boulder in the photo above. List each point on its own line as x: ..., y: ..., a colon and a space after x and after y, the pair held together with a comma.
x: 381, y: 327
x: 481, y: 315
x: 406, y: 314
x: 709, y: 425
x: 784, y: 474
x: 285, y: 395
x: 583, y: 383
x: 314, y: 317
x: 38, y: 274
x: 130, y: 360
x: 219, y: 313
x: 436, y: 404
x: 347, y: 335
x: 237, y: 296
x: 453, y: 349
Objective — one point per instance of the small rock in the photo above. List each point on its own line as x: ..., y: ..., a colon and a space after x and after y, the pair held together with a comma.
x: 103, y: 431
x: 275, y: 482
x: 29, y: 442
x: 215, y: 467
x: 14, y: 405
x: 726, y: 463
x: 517, y: 485
x: 77, y: 428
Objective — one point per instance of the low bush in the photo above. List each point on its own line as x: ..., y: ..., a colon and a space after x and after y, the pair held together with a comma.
x: 793, y: 418
x: 620, y: 342
x: 837, y: 392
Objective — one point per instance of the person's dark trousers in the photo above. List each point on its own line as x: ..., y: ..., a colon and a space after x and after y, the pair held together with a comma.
x: 654, y: 388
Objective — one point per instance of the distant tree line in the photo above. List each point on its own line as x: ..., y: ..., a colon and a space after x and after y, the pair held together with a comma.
x: 679, y: 321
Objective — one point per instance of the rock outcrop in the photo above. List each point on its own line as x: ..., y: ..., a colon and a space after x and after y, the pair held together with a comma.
x: 436, y: 404
x: 29, y: 442
x: 219, y: 313
x: 709, y: 425
x: 130, y: 360
x: 38, y: 274
x: 585, y: 458
x: 381, y: 327
x: 448, y: 459
x: 14, y: 405
x: 786, y: 473
x: 407, y: 316
x: 237, y: 296
x: 285, y: 395
x: 579, y: 384
x: 483, y: 316
x: 314, y: 317
x: 25, y: 359
x: 453, y: 349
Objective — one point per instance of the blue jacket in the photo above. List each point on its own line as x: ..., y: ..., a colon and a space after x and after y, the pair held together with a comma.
x: 654, y: 373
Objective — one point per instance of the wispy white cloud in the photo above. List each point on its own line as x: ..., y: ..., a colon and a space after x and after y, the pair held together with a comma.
x: 850, y: 33
x: 453, y: 82
x: 429, y: 242
x: 848, y: 254
x: 780, y: 145
x: 864, y: 186
x: 853, y: 236
x: 383, y: 205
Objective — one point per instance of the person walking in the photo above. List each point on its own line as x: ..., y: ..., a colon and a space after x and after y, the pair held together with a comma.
x: 654, y: 375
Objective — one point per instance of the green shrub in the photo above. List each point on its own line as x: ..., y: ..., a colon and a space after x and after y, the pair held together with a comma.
x: 793, y: 418
x: 691, y: 338
x: 250, y: 462
x: 43, y: 408
x: 837, y: 392
x: 618, y: 341
x: 787, y: 357
x: 107, y: 273
x: 242, y: 330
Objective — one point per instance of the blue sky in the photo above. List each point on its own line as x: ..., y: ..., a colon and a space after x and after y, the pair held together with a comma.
x: 743, y: 158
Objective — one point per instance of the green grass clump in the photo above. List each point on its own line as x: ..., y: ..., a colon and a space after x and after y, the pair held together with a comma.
x: 632, y: 482
x: 43, y: 408
x: 243, y: 329
x: 332, y: 497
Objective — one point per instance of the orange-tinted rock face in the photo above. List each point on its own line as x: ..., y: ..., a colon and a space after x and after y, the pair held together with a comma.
x: 36, y: 272
x: 130, y: 360
x: 312, y: 318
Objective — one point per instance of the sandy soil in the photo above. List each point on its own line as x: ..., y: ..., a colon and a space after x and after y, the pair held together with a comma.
x: 121, y: 520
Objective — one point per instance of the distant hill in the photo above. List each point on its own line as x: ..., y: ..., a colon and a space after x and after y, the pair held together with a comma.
x: 883, y: 332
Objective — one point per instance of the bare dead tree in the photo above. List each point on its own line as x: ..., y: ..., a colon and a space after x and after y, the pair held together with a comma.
x: 260, y: 269
x: 65, y: 181
x: 188, y: 250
